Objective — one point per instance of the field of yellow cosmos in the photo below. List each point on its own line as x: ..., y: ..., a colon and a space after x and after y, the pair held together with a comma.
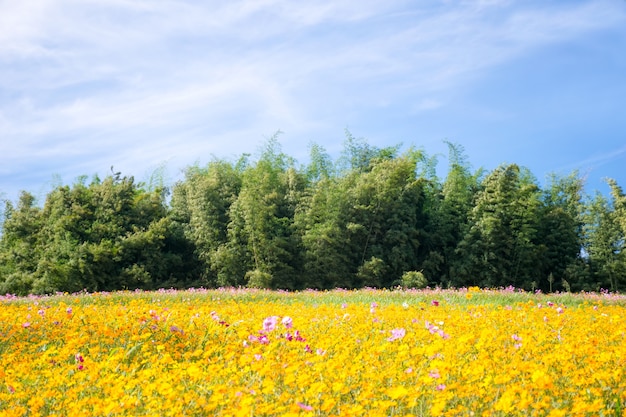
x: 238, y: 352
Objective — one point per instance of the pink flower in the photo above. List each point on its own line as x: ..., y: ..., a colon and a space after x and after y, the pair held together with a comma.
x: 435, y: 303
x: 396, y: 334
x: 443, y: 334
x: 216, y: 318
x: 305, y: 407
x: 321, y: 351
x: 307, y: 349
x: 560, y: 310
x: 25, y: 325
x: 434, y: 374
x: 287, y: 322
x: 431, y: 327
x: 440, y: 387
x: 69, y: 310
x: 269, y: 323
x: 176, y: 329
x: 435, y: 329
x: 79, y: 361
x: 517, y: 339
x: 263, y: 339
x: 298, y: 336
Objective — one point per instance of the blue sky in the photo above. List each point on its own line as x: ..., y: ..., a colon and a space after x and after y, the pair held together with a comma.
x: 86, y: 84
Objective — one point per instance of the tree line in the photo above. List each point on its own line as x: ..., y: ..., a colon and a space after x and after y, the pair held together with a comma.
x: 374, y: 217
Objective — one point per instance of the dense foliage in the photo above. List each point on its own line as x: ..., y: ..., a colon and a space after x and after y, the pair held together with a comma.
x: 365, y: 219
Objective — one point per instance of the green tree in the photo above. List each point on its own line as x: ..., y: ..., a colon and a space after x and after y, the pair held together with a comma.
x: 386, y: 216
x: 109, y: 235
x: 201, y: 208
x: 320, y: 220
x: 560, y: 231
x: 450, y: 205
x: 605, y: 240
x: 260, y: 232
x: 359, y: 156
x: 362, y: 227
x: 19, y: 245
x: 320, y: 166
x: 499, y: 248
x: 619, y: 204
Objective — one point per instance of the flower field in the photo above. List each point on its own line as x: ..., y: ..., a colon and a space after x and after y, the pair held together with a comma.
x: 236, y: 352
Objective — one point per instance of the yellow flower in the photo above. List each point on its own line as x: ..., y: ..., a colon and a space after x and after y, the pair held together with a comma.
x: 397, y: 392
x: 208, y: 353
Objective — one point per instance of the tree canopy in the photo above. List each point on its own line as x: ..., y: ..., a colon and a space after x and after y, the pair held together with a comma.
x: 373, y: 217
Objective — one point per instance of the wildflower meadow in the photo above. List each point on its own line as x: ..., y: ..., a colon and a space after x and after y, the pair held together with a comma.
x: 243, y: 352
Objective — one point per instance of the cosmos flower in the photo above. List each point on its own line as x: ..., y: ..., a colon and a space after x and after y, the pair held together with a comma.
x: 269, y: 324
x: 397, y: 334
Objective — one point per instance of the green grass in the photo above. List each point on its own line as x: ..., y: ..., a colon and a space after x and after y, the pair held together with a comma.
x: 461, y: 297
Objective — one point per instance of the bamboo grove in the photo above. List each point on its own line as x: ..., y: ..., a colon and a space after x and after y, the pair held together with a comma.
x: 371, y: 218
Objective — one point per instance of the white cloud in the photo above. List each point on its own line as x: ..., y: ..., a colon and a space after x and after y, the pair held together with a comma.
x: 142, y: 76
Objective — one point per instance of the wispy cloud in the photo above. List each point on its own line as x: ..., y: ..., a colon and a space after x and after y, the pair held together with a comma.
x: 138, y: 80
x: 596, y: 160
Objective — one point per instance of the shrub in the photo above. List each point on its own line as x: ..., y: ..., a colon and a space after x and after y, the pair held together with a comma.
x: 414, y: 279
x: 259, y: 279
x: 17, y: 283
x: 371, y: 273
